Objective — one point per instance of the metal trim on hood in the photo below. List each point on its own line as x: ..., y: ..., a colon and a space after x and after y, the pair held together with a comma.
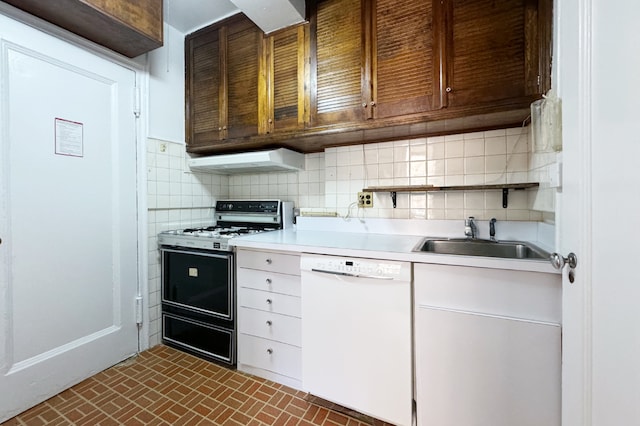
x: 276, y: 160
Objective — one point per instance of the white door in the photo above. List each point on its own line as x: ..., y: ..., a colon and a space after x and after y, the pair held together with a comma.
x: 599, y: 211
x: 68, y: 223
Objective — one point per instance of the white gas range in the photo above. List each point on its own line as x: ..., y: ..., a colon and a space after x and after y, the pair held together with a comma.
x: 233, y: 218
x: 198, y: 276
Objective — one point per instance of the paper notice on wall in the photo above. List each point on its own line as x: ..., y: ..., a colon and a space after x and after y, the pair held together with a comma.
x: 69, y: 138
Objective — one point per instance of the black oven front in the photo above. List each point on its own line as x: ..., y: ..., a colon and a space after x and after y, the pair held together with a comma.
x: 198, y: 302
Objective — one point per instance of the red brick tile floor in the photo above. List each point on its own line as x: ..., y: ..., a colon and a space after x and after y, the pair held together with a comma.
x: 164, y: 386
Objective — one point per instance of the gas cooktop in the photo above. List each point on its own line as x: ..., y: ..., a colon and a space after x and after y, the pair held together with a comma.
x: 233, y: 218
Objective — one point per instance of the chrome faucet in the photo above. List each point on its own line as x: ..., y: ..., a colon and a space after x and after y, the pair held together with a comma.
x: 492, y: 229
x: 470, y: 228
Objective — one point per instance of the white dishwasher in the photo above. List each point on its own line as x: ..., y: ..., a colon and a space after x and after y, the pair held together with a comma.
x: 356, y: 334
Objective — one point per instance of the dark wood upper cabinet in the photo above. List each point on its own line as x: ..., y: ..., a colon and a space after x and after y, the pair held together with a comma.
x: 338, y: 62
x: 203, y: 87
x: 371, y: 59
x: 286, y: 58
x: 243, y: 52
x: 222, y: 81
x: 405, y: 60
x: 367, y: 71
x: 493, y: 50
x: 129, y: 27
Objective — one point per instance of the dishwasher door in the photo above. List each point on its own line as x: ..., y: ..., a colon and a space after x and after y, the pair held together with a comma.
x: 356, y: 334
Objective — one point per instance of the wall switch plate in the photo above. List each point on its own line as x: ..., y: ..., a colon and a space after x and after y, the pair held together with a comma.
x: 365, y: 199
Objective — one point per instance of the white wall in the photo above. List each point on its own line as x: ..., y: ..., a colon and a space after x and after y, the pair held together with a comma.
x: 166, y: 88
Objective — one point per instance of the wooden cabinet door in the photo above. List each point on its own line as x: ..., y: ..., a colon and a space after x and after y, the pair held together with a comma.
x: 222, y: 76
x: 406, y: 59
x: 337, y: 62
x: 493, y: 51
x: 203, y: 87
x: 286, y: 101
x: 243, y: 50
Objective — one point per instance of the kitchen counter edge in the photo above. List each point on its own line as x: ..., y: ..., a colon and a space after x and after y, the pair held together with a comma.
x: 376, y: 246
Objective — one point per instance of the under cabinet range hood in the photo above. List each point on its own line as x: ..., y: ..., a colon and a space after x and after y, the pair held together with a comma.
x: 275, y: 160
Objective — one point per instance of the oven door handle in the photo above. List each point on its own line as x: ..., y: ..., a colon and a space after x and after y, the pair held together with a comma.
x: 347, y: 274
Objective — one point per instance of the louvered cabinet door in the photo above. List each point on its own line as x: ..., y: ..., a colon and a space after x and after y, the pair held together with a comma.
x: 243, y: 50
x: 493, y: 52
x: 404, y: 54
x: 337, y: 63
x: 203, y: 69
x: 286, y: 64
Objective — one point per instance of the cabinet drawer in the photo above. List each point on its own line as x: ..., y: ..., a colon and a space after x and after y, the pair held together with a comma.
x: 269, y: 302
x: 271, y: 326
x: 267, y: 261
x: 535, y: 296
x: 273, y: 356
x: 269, y: 281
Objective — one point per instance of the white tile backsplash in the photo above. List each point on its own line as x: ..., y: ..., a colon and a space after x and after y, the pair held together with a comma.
x: 497, y: 156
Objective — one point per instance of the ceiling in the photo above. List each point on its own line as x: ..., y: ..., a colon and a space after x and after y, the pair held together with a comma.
x: 189, y: 15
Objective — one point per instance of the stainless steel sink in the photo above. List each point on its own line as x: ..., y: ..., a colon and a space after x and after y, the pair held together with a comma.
x: 487, y: 248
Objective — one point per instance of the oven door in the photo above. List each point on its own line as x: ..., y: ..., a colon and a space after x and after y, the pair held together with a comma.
x: 199, y: 338
x: 198, y: 281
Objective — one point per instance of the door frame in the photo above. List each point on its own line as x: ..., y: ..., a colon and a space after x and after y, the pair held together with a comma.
x: 573, y: 82
x: 140, y: 68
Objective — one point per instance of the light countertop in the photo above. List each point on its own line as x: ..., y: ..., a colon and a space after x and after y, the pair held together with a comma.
x: 375, y: 246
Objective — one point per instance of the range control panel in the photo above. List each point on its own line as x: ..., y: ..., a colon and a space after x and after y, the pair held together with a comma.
x: 249, y: 206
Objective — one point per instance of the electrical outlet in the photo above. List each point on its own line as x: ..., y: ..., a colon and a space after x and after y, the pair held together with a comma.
x: 365, y: 199
x: 162, y: 147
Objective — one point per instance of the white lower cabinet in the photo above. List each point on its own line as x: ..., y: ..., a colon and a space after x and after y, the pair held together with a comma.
x: 269, y: 310
x: 487, y: 347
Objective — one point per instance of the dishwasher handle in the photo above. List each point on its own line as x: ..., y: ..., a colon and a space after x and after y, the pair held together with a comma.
x: 347, y: 274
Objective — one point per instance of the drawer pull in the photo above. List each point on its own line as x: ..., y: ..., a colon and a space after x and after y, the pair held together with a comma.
x: 268, y: 280
x: 269, y: 323
x: 269, y: 261
x: 269, y: 351
x: 269, y: 301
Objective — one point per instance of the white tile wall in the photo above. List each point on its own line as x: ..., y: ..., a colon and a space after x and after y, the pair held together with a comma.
x: 331, y: 180
x: 177, y: 198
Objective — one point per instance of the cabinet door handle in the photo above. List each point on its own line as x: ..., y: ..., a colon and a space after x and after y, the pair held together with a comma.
x: 268, y: 281
x: 269, y: 323
x: 448, y: 89
x: 269, y: 261
x: 269, y: 351
x: 269, y: 301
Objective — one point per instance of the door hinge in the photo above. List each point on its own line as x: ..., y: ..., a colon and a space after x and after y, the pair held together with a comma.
x: 539, y: 80
x: 136, y: 102
x: 139, y: 310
